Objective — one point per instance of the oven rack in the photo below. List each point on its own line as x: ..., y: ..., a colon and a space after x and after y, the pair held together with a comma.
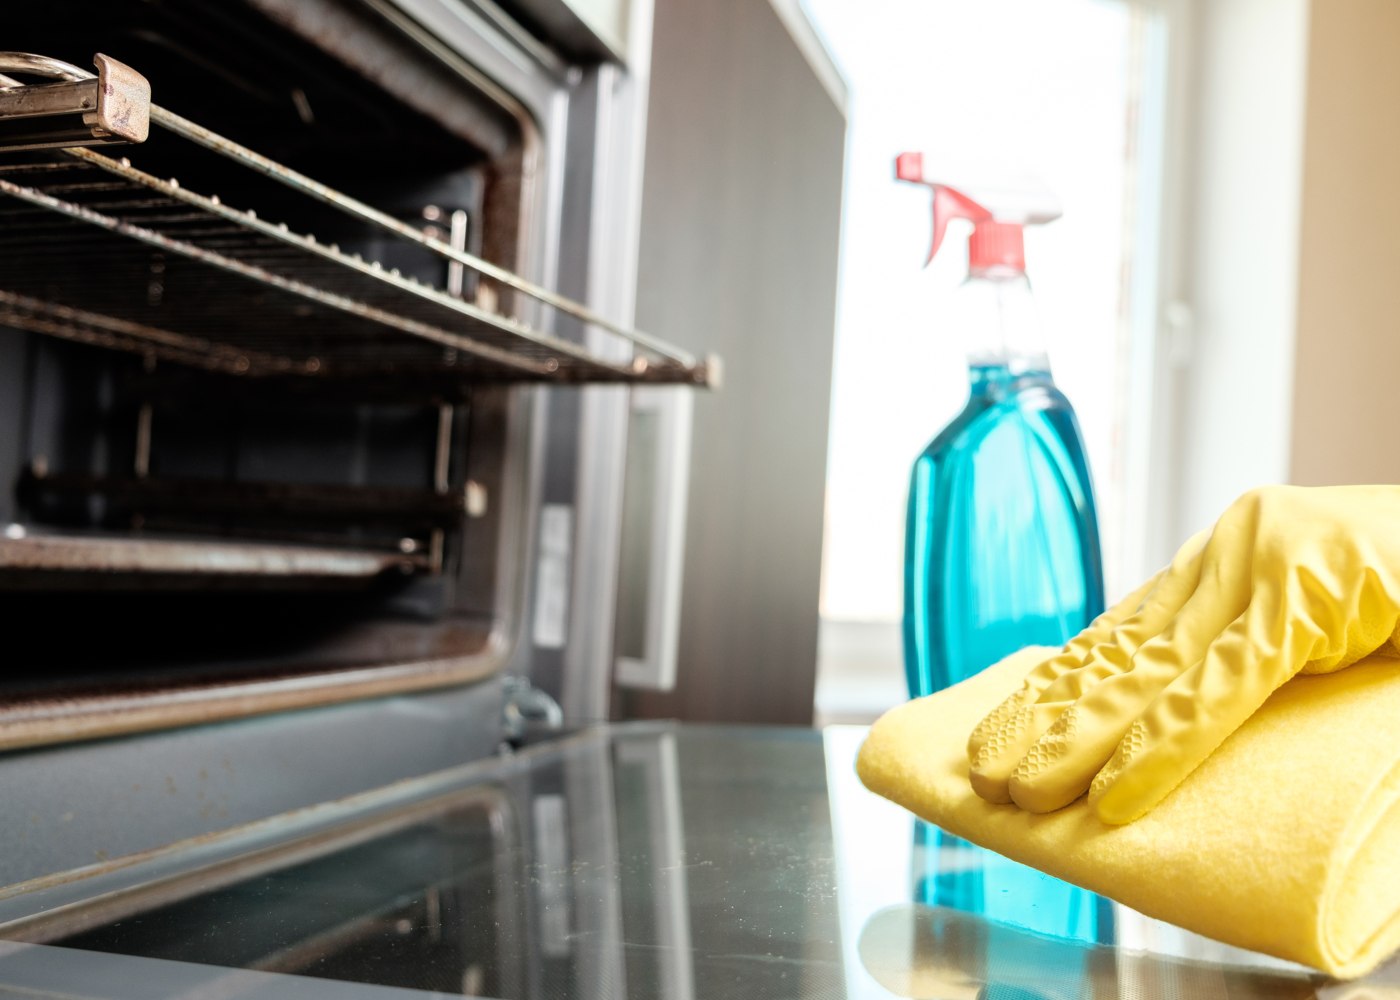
x: 93, y: 249
x: 96, y: 250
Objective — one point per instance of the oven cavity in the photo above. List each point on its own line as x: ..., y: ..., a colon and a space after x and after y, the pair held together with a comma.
x: 262, y: 440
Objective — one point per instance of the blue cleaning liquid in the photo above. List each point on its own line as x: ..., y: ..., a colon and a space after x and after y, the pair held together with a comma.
x: 1001, y: 547
x: 1002, y: 552
x: 948, y: 871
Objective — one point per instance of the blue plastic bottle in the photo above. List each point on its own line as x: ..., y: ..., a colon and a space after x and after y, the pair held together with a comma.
x: 1002, y: 544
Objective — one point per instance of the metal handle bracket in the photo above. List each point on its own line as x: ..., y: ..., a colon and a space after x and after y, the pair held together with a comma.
x: 79, y: 110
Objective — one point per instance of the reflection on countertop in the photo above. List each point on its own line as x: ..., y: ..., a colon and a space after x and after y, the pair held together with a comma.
x: 632, y: 861
x: 913, y: 950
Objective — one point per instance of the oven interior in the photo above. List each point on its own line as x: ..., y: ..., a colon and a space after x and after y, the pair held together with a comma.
x: 252, y: 430
x: 357, y: 481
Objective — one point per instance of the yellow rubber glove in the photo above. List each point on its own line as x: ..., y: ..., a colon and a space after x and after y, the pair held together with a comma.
x: 1290, y: 579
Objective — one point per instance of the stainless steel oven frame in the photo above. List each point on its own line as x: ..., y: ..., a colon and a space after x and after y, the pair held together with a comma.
x: 586, y: 127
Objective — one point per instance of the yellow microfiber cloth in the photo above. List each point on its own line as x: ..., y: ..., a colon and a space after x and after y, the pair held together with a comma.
x: 1285, y: 840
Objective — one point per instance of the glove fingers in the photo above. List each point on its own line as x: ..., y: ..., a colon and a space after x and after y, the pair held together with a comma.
x: 1004, y: 734
x: 1101, y: 701
x: 1020, y: 728
x: 1059, y: 767
x: 1062, y: 765
x: 1197, y: 711
x: 1000, y: 741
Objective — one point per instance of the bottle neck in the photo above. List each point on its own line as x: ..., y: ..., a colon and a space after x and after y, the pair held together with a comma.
x: 999, y: 323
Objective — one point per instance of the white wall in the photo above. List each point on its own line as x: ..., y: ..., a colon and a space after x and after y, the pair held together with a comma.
x: 1237, y: 264
x: 1292, y: 252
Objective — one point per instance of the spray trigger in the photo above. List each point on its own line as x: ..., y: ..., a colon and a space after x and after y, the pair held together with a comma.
x: 998, y: 214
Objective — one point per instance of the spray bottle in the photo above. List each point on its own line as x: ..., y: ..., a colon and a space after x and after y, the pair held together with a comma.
x: 1002, y: 543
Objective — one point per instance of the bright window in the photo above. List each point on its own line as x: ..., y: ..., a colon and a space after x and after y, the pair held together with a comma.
x: 1068, y: 90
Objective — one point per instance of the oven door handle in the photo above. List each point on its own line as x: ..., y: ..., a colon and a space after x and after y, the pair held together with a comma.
x: 653, y: 538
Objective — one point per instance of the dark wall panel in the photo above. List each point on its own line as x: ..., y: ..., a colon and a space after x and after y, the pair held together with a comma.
x: 740, y: 225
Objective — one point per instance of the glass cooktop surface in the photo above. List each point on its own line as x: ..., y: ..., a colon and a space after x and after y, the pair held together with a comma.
x: 628, y: 862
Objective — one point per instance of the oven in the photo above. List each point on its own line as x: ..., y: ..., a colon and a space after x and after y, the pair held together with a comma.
x: 339, y: 490
x: 302, y: 404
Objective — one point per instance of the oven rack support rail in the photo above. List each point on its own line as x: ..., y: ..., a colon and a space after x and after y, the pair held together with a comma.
x: 176, y: 275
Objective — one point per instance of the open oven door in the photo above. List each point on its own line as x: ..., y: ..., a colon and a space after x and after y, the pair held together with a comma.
x: 623, y: 861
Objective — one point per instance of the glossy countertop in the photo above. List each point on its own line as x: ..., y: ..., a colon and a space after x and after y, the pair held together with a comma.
x: 628, y: 861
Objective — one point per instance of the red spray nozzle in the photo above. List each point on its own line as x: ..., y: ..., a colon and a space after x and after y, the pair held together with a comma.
x: 947, y: 202
x: 997, y: 215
